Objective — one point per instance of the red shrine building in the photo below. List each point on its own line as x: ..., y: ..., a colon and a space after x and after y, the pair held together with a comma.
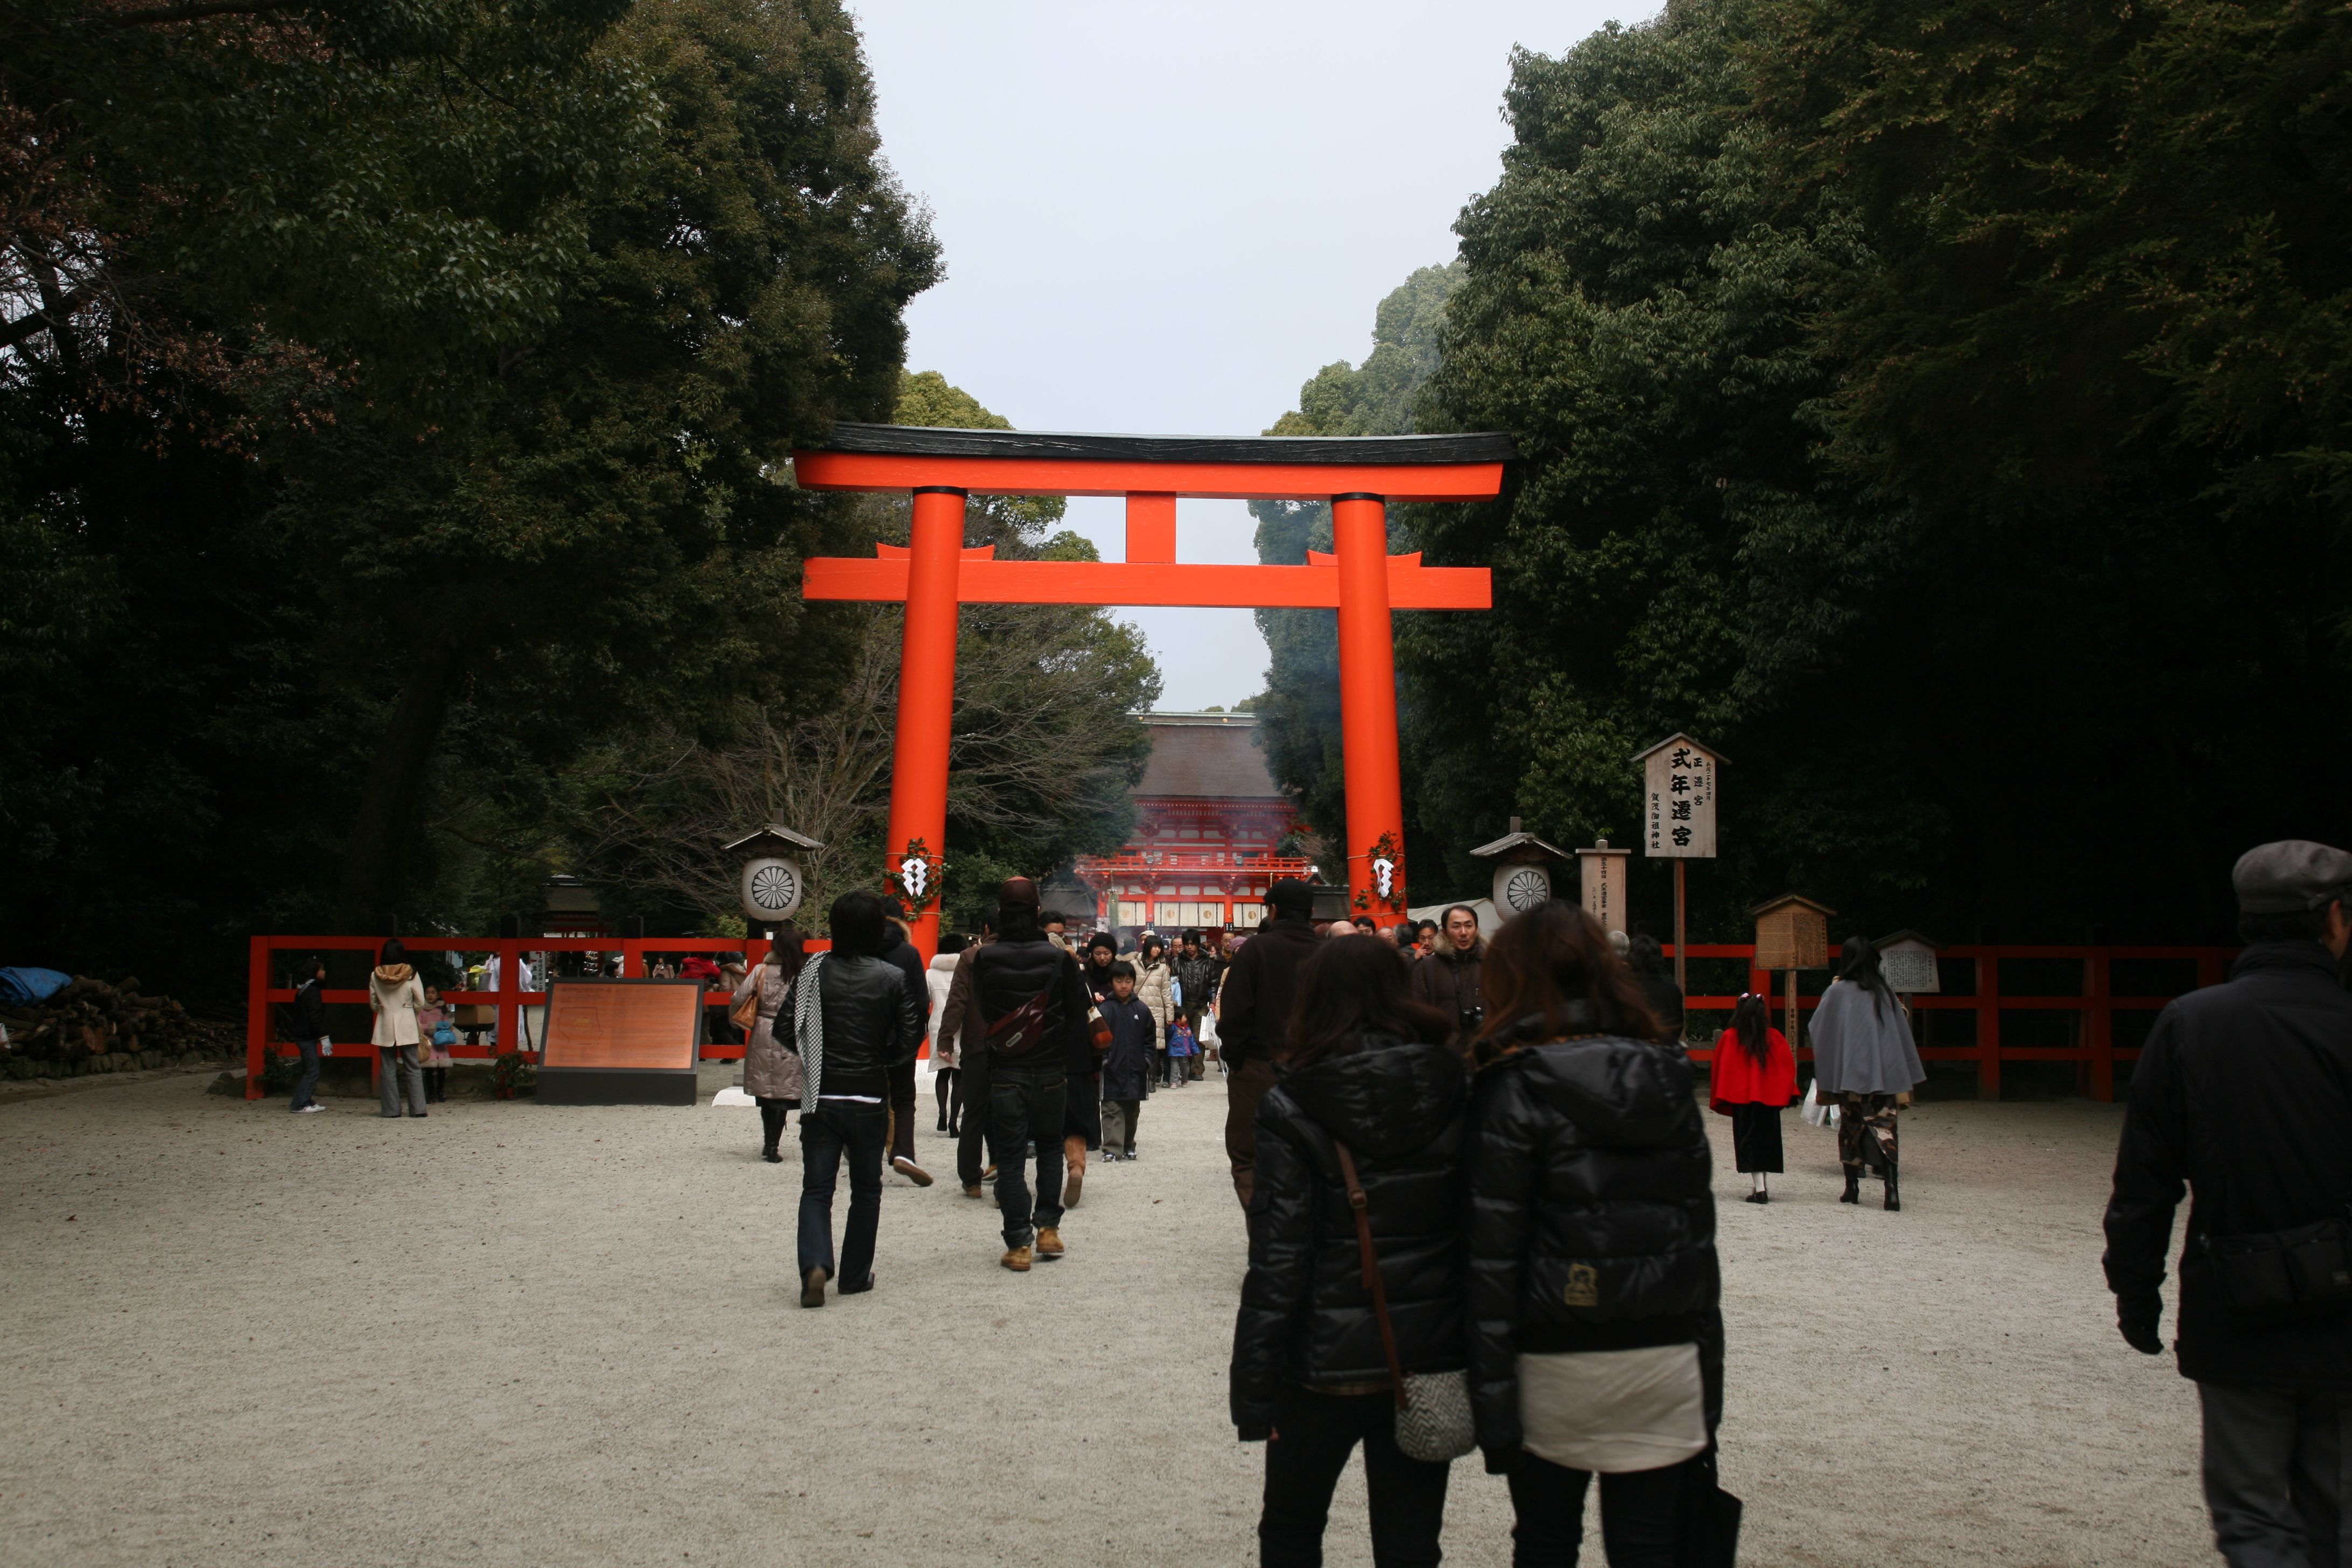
x: 1209, y: 818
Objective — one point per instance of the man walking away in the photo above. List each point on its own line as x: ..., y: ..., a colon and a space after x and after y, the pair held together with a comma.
x: 1031, y: 1022
x: 1449, y: 983
x: 855, y: 1018
x: 310, y: 1034
x: 2244, y: 1093
x: 1255, y: 1014
x: 908, y: 960
x: 970, y: 1114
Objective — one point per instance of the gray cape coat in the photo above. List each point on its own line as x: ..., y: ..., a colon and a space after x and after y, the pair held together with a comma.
x: 1862, y: 1044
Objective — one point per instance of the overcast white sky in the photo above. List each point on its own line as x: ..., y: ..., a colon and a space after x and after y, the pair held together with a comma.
x: 1162, y: 218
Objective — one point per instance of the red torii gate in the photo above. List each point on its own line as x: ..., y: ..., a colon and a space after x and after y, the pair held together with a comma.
x: 934, y: 574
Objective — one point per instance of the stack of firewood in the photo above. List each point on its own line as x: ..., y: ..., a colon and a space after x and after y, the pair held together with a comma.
x: 90, y: 1026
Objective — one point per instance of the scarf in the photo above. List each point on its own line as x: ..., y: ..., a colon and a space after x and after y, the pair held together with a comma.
x: 808, y: 1027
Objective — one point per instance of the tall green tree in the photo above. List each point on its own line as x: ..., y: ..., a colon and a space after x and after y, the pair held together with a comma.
x: 1977, y: 669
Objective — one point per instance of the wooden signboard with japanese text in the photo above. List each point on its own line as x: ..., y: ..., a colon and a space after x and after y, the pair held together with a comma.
x: 1679, y: 801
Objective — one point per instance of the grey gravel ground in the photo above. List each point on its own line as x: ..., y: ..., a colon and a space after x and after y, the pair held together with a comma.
x: 523, y: 1334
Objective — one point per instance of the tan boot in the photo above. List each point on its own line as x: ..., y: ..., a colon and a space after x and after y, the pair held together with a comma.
x: 974, y: 1190
x: 1049, y: 1244
x: 1016, y: 1258
x: 1073, y: 1170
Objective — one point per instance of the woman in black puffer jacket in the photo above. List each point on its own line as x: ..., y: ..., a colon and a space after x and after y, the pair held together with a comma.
x: 1596, y: 1334
x: 1309, y: 1375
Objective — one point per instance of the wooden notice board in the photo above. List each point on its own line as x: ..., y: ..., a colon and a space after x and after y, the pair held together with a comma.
x: 640, y: 1026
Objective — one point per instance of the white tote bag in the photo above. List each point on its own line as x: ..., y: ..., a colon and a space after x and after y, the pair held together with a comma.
x: 1815, y: 1113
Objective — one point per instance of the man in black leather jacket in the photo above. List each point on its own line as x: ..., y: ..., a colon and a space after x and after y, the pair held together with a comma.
x: 1027, y: 1091
x: 1254, y: 1012
x: 870, y: 1022
x: 2243, y: 1093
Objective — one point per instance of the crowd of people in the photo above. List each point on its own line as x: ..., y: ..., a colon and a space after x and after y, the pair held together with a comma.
x: 1478, y: 1185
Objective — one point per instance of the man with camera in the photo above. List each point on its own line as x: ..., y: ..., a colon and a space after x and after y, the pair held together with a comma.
x: 2244, y: 1093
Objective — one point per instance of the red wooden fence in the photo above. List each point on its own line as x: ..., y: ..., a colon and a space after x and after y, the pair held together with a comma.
x: 268, y: 953
x: 2096, y: 1005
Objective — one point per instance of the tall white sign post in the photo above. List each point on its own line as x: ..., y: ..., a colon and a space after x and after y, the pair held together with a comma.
x: 1679, y: 816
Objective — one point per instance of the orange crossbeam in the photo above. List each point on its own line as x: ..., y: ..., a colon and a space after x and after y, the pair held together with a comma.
x: 1080, y: 476
x: 983, y: 580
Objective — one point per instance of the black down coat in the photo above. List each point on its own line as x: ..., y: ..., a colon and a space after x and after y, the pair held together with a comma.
x: 1591, y: 1217
x: 1305, y: 1316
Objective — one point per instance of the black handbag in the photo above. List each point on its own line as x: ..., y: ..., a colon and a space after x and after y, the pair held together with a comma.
x: 1710, y: 1533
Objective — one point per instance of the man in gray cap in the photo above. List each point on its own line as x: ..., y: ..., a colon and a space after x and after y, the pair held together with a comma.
x: 2244, y: 1093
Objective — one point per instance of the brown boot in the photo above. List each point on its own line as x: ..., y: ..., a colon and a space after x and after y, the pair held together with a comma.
x: 1016, y: 1258
x: 974, y: 1190
x: 1073, y: 1170
x: 813, y: 1289
x: 1049, y: 1244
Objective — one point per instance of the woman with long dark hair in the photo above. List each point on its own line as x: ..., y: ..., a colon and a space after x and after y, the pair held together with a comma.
x: 1369, y: 1100
x: 1754, y: 1079
x: 1866, y: 1064
x: 771, y: 1062
x: 1596, y: 1334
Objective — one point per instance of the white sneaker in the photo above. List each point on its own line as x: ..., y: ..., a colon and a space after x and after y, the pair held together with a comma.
x: 307, y: 1110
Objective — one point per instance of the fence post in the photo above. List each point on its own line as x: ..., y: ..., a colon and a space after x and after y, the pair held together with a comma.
x: 1988, y: 1026
x: 2098, y: 987
x: 257, y: 1014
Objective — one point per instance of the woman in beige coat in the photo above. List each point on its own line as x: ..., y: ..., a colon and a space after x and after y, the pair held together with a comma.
x: 395, y: 994
x: 771, y: 1062
x: 1153, y: 988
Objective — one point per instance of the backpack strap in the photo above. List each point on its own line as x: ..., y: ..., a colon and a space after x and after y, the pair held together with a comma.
x: 1372, y: 1280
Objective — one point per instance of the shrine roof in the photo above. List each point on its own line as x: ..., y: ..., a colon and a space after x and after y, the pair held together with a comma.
x: 1206, y: 756
x: 927, y: 441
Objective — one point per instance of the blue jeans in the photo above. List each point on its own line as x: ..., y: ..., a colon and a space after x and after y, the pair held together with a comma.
x: 830, y: 1129
x: 1026, y: 1103
x: 306, y: 1086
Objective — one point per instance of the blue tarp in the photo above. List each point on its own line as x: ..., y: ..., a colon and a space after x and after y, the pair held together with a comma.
x: 25, y: 986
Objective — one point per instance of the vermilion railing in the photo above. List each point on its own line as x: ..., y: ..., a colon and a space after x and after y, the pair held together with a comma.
x: 262, y: 992
x: 2097, y: 1005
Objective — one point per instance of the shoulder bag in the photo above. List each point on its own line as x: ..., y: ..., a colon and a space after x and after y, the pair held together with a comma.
x: 1432, y: 1419
x: 745, y: 1015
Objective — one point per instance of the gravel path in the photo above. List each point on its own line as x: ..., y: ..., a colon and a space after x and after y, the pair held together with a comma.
x: 533, y: 1335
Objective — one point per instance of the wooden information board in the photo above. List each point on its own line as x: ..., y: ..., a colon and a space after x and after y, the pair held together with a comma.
x: 642, y: 1024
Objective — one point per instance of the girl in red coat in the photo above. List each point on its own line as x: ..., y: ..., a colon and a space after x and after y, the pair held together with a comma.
x: 1755, y: 1079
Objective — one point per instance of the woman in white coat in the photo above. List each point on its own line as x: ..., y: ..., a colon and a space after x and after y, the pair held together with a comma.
x: 1155, y: 988
x: 946, y: 1068
x: 395, y: 994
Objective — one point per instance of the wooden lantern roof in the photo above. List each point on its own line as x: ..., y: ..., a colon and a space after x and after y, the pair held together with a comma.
x: 774, y: 838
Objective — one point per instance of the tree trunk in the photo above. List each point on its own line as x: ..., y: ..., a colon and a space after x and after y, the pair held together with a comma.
x: 388, y: 801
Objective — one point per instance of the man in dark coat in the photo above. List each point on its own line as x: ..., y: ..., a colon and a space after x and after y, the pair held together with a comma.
x: 1031, y: 1023
x: 1449, y: 982
x: 956, y: 1026
x: 1198, y: 970
x: 896, y: 950
x: 1256, y: 1011
x: 2244, y: 1093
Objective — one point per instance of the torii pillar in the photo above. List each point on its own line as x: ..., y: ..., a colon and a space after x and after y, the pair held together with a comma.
x: 933, y: 574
